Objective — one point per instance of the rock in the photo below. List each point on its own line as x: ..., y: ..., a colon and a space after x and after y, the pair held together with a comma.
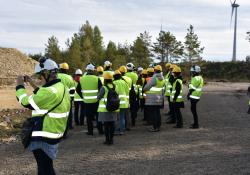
x: 4, y: 124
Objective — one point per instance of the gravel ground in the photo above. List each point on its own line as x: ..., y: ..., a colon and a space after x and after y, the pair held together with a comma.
x: 220, y: 146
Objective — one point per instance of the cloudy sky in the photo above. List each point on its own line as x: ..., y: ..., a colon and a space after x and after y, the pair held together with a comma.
x: 27, y: 24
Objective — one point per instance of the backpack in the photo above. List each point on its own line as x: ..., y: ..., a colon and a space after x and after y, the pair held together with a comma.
x: 113, y: 101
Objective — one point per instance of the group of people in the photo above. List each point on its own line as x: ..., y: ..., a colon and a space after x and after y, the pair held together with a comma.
x: 88, y: 92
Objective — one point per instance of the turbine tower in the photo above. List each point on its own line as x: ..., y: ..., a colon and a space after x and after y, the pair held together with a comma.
x: 234, y: 7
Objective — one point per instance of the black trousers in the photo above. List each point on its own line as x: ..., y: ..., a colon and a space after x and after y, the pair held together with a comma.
x: 178, y: 115
x: 109, y: 129
x: 147, y: 114
x: 194, y: 112
x: 133, y: 114
x: 44, y: 163
x: 79, y: 105
x: 171, y: 110
x: 91, y: 112
x: 70, y: 126
x: 154, y: 112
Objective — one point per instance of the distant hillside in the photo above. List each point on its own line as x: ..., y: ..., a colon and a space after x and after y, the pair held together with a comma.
x: 14, y: 63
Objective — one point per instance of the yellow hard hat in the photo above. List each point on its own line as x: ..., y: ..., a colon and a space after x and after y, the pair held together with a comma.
x: 176, y: 69
x: 172, y: 66
x: 108, y: 75
x: 123, y: 69
x: 144, y: 71
x: 168, y: 65
x: 117, y: 72
x: 99, y: 69
x: 64, y: 66
x: 158, y: 68
x: 150, y: 70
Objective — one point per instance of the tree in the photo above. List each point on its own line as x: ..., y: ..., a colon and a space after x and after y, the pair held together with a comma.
x: 167, y: 47
x: 74, y: 53
x: 98, y: 46
x: 122, y: 55
x: 86, y: 43
x: 111, y: 52
x: 192, y: 48
x: 35, y: 56
x: 140, y: 50
x: 52, y: 49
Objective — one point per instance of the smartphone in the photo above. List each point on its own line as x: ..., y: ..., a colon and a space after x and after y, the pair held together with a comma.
x: 25, y: 78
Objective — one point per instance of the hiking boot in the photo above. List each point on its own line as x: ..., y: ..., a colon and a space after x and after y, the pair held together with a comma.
x: 194, y: 126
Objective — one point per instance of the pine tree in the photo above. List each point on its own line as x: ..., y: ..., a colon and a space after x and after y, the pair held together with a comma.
x: 122, y: 55
x: 167, y: 47
x: 192, y: 46
x: 74, y: 53
x: 98, y: 46
x: 86, y: 43
x: 141, y: 50
x: 111, y: 52
x: 52, y: 49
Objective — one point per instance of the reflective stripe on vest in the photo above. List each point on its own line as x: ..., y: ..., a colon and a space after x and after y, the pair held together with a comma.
x: 89, y: 85
x: 196, y: 85
x: 180, y: 96
x: 158, y: 88
x: 21, y: 97
x: 47, y: 134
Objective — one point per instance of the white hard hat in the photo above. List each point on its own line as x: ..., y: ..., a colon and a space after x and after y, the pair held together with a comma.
x: 45, y: 64
x: 90, y: 67
x: 140, y: 69
x: 130, y: 66
x: 196, y: 69
x: 107, y: 63
x: 152, y: 65
x: 78, y: 72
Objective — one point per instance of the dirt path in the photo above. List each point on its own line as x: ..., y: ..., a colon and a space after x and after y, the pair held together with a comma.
x: 220, y: 146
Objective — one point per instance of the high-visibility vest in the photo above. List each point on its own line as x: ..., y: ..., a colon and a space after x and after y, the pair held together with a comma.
x: 68, y: 81
x: 196, y: 84
x: 77, y: 96
x: 168, y: 85
x: 134, y: 78
x: 102, y: 79
x: 110, y: 71
x: 128, y: 80
x: 103, y: 101
x: 89, y: 85
x: 52, y: 127
x: 158, y: 88
x: 180, y: 97
x: 123, y: 92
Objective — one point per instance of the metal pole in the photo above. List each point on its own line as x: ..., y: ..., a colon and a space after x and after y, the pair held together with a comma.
x: 235, y: 36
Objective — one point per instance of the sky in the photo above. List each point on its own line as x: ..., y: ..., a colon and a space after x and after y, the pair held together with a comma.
x: 27, y: 24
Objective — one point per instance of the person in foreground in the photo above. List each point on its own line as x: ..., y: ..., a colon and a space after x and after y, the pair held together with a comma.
x: 50, y: 106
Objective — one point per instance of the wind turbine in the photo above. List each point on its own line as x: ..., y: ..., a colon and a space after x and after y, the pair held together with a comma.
x: 234, y: 7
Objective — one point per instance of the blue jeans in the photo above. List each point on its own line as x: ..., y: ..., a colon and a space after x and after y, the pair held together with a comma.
x: 122, y: 116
